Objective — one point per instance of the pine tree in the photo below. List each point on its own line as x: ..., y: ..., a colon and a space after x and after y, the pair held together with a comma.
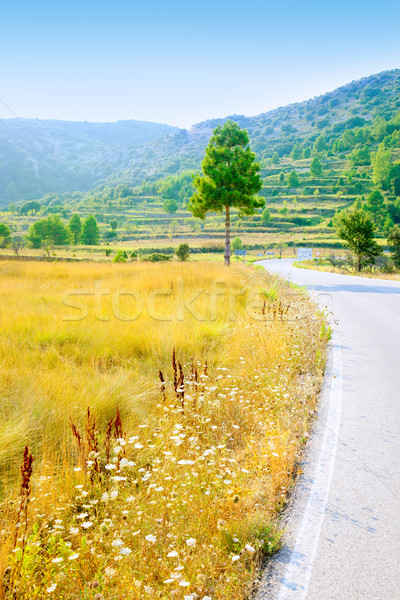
x: 90, y: 233
x: 316, y: 167
x: 75, y: 225
x: 230, y: 178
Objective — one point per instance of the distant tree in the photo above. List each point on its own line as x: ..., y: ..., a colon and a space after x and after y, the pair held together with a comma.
x: 5, y: 235
x: 265, y: 216
x: 281, y: 247
x: 394, y: 242
x: 275, y: 159
x: 358, y: 231
x: 113, y: 224
x: 75, y: 225
x: 293, y: 180
x: 48, y: 233
x: 381, y: 164
x: 320, y: 145
x: 170, y: 205
x: 281, y: 177
x: 17, y: 244
x: 237, y: 244
x: 360, y: 156
x: 29, y: 207
x: 316, y: 167
x: 376, y: 206
x: 90, y: 232
x: 316, y: 193
x: 230, y: 178
x: 297, y: 151
x: 307, y: 153
x: 395, y: 183
x: 388, y: 224
x: 183, y: 252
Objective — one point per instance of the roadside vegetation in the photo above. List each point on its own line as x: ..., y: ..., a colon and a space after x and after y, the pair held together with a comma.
x: 164, y: 441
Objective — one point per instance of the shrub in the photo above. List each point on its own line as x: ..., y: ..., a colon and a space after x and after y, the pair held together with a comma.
x: 157, y: 257
x: 183, y: 252
x: 121, y: 256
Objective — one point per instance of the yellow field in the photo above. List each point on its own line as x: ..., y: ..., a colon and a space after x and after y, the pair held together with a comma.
x: 180, y: 498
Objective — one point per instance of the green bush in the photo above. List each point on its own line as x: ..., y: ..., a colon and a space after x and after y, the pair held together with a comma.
x: 157, y: 257
x: 121, y: 256
x: 183, y: 252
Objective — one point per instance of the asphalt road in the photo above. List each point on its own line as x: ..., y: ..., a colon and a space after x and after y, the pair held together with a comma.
x: 343, y: 523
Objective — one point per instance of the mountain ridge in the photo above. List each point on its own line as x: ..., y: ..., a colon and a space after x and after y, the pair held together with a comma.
x: 54, y: 156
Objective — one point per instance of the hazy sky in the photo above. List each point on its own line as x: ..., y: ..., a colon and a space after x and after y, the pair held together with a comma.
x: 181, y: 62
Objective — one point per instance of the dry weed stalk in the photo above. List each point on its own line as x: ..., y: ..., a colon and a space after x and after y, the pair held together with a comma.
x: 22, y: 519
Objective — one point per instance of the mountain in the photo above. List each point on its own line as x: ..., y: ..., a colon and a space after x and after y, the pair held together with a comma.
x: 39, y: 156
x: 349, y: 107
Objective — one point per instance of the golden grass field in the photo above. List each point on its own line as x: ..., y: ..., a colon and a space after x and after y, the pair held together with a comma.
x: 180, y: 497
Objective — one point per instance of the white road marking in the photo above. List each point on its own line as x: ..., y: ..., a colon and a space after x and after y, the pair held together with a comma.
x: 294, y: 585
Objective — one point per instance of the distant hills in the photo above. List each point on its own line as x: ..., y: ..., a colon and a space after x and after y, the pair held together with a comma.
x: 38, y: 157
x: 41, y: 156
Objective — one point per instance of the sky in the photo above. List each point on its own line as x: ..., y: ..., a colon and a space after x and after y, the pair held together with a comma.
x: 179, y: 62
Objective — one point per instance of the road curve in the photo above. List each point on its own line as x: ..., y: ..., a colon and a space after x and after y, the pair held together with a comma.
x: 343, y: 524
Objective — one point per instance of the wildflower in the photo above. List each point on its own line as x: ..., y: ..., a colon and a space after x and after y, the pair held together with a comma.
x: 77, y: 469
x: 191, y: 542
x: 73, y: 556
x: 82, y: 516
x: 184, y: 583
x: 235, y: 557
x: 151, y: 538
x: 74, y: 530
x: 125, y: 551
x: 113, y: 494
x: 109, y: 572
x: 172, y: 554
x: 138, y: 446
x: 169, y: 581
x: 57, y: 560
x: 249, y: 548
x: 87, y: 524
x: 110, y: 466
x: 51, y: 588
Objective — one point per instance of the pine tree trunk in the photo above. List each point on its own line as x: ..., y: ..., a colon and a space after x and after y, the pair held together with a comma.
x: 227, y: 260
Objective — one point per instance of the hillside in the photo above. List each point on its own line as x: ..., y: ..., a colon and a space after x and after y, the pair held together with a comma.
x: 145, y: 188
x: 37, y: 157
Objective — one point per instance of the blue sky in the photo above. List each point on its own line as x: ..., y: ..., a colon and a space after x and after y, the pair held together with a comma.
x: 181, y: 62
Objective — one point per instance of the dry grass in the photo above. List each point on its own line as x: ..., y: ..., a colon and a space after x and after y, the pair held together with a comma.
x: 181, y: 500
